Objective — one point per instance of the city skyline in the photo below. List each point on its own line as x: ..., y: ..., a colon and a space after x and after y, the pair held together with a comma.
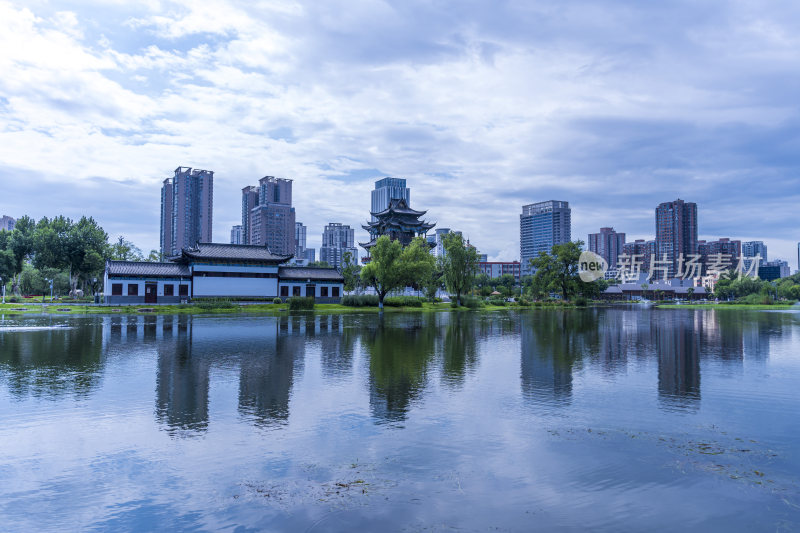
x: 471, y: 107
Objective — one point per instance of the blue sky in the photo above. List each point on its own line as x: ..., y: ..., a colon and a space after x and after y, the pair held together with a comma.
x: 611, y: 105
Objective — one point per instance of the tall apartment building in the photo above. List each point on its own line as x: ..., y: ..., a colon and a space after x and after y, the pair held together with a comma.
x: 187, y: 203
x: 640, y: 250
x: 436, y: 241
x: 608, y: 244
x: 337, y: 239
x: 750, y: 249
x: 249, y: 202
x: 541, y: 226
x: 676, y: 233
x: 271, y: 221
x: 723, y: 253
x: 7, y: 223
x: 302, y: 252
x: 387, y: 189
x: 236, y: 234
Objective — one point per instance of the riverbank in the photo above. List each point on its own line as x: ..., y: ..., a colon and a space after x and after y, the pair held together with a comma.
x: 751, y: 307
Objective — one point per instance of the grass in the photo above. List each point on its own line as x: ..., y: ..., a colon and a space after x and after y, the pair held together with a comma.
x: 752, y: 307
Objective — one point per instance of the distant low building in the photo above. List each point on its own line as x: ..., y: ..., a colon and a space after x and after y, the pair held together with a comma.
x: 772, y: 270
x: 495, y: 269
x: 7, y: 223
x: 218, y: 271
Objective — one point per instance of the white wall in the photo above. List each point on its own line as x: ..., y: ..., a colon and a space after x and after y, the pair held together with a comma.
x: 235, y: 287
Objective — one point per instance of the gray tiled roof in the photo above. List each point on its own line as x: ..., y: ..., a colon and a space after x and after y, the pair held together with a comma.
x: 312, y: 273
x: 240, y: 252
x: 140, y: 268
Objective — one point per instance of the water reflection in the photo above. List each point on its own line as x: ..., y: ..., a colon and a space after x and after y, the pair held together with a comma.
x: 61, y: 358
x: 678, y: 339
x: 400, y: 350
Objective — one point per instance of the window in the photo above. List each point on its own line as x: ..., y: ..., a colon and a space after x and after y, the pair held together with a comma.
x: 133, y: 289
x: 323, y: 292
x: 169, y: 289
x: 116, y: 289
x: 183, y: 290
x: 296, y: 291
x: 284, y: 291
x: 335, y: 292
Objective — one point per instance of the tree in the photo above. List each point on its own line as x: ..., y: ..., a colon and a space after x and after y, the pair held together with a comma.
x: 558, y: 270
x: 154, y: 257
x: 391, y: 266
x: 21, y: 244
x: 351, y: 272
x: 319, y: 264
x: 690, y: 292
x: 124, y: 250
x: 459, y: 265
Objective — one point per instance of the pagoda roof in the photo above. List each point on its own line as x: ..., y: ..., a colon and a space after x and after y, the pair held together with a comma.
x: 398, y: 206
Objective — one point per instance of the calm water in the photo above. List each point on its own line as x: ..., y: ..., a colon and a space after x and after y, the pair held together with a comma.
x: 608, y: 420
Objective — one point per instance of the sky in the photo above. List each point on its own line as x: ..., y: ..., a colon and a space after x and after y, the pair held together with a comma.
x: 611, y: 105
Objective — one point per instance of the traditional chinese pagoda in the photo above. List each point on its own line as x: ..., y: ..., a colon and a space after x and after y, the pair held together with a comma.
x: 399, y: 222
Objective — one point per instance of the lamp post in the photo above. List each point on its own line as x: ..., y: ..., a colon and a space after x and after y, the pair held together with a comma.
x: 51, y: 290
x: 3, y: 283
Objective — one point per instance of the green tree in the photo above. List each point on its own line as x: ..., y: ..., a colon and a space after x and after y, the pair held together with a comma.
x: 154, y: 257
x: 392, y: 267
x: 21, y: 244
x: 124, y: 250
x: 459, y: 265
x: 558, y: 270
x: 351, y: 272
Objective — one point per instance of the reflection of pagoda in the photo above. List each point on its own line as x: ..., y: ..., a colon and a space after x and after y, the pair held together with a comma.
x: 399, y: 222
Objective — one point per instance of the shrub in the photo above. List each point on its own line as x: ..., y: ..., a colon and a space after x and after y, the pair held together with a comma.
x: 277, y: 301
x: 498, y: 302
x: 208, y: 304
x: 360, y: 300
x: 298, y: 303
x: 471, y: 302
x: 402, y: 301
x: 580, y: 301
x: 523, y: 302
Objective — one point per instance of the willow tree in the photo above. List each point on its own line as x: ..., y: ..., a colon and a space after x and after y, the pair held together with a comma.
x: 392, y: 267
x: 459, y: 265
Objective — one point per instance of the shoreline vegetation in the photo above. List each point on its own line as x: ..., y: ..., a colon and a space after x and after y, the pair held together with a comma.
x: 274, y: 309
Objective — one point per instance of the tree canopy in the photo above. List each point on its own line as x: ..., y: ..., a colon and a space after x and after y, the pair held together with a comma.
x: 459, y: 265
x: 391, y: 266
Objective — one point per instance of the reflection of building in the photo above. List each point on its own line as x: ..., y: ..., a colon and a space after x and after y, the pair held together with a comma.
x: 187, y: 202
x: 678, y: 340
x: 399, y: 222
x: 546, y: 360
x: 541, y: 226
x: 182, y: 379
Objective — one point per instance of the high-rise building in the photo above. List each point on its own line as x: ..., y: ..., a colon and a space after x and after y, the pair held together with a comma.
x: 676, y: 233
x: 187, y: 203
x: 436, y: 241
x: 249, y: 202
x: 751, y: 249
x: 723, y: 253
x: 299, y: 240
x: 7, y: 223
x: 798, y: 257
x: 772, y: 270
x: 271, y: 220
x: 608, y: 244
x: 338, y: 239
x: 387, y: 189
x: 236, y: 235
x: 541, y: 226
x: 640, y: 251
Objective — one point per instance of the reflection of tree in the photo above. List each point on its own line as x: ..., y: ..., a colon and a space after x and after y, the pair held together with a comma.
x: 337, y: 340
x: 182, y: 381
x: 266, y: 378
x: 460, y: 348
x: 678, y: 340
x: 552, y: 343
x: 54, y: 362
x: 400, y: 350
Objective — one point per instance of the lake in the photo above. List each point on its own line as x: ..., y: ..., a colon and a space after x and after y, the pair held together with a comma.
x: 618, y: 419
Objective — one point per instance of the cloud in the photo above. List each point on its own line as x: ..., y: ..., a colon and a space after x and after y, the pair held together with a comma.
x: 613, y: 106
